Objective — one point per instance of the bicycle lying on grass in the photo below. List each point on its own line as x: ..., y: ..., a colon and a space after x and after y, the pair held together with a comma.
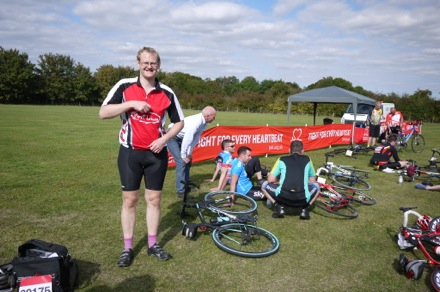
x: 231, y: 223
x: 411, y: 136
x: 424, y: 236
x: 346, y: 176
x: 336, y: 199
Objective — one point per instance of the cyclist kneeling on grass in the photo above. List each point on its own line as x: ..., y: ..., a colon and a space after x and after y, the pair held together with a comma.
x: 297, y: 186
x: 383, y: 153
x: 239, y: 181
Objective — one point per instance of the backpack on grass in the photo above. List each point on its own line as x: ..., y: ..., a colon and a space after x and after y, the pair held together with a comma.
x: 40, y: 258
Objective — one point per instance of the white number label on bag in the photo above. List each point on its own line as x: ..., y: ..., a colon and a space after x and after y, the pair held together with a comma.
x: 36, y: 284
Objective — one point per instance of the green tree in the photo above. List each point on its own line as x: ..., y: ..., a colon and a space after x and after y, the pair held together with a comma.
x: 17, y: 77
x: 107, y: 76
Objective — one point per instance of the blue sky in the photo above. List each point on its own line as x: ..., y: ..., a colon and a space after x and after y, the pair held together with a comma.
x: 384, y: 46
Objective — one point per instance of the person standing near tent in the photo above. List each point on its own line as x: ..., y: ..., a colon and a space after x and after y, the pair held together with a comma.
x: 394, y: 121
x: 373, y: 124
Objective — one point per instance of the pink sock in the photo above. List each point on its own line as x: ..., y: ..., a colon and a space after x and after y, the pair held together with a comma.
x: 128, y: 243
x: 151, y: 240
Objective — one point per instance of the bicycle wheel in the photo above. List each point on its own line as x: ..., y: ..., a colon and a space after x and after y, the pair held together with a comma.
x: 335, y: 206
x: 357, y: 196
x: 351, y: 181
x: 417, y: 143
x: 435, y: 279
x: 223, y: 200
x: 245, y: 240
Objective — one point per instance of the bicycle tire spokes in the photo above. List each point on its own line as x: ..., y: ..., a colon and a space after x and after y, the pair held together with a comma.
x: 417, y: 143
x: 230, y: 202
x: 352, y: 182
x: 245, y: 240
x: 357, y: 196
x: 337, y: 206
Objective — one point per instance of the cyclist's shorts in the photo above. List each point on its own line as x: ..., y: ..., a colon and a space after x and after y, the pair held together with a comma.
x: 135, y: 164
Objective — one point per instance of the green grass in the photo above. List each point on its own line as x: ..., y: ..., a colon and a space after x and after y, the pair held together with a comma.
x: 59, y: 182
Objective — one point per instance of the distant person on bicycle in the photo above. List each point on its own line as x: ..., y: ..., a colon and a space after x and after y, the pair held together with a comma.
x: 373, y: 123
x: 240, y: 182
x: 383, y: 154
x: 297, y: 184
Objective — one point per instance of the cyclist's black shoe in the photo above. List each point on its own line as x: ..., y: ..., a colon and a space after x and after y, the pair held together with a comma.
x: 304, y: 214
x: 279, y: 211
x: 157, y: 251
x: 125, y: 258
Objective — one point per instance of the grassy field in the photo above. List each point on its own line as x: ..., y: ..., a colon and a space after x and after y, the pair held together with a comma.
x: 59, y: 182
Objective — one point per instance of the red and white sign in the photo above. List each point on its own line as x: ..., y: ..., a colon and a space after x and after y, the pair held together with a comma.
x: 36, y: 284
x: 274, y: 140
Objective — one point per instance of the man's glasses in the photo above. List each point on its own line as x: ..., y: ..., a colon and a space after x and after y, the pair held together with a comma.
x: 232, y: 146
x: 147, y: 64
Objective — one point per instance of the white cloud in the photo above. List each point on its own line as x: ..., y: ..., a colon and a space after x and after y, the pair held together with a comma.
x: 385, y: 46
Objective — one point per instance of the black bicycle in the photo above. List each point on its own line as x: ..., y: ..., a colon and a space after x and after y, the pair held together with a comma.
x: 230, y: 218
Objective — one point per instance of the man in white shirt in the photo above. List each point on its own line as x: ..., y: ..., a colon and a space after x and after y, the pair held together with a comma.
x: 183, y: 144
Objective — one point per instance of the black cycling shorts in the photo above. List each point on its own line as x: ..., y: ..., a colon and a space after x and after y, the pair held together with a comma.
x: 135, y: 164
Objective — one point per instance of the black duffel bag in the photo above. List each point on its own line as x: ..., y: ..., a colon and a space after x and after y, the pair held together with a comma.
x: 37, y: 257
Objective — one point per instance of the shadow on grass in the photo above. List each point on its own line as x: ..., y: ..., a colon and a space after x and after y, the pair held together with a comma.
x: 88, y: 272
x: 130, y: 284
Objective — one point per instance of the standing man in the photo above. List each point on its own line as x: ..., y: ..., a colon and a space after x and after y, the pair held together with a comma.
x: 142, y: 102
x: 394, y: 121
x: 240, y: 181
x: 373, y: 123
x: 297, y: 186
x: 182, y: 145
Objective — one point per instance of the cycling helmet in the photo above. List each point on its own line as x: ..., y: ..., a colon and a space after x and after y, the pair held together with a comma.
x: 423, y: 222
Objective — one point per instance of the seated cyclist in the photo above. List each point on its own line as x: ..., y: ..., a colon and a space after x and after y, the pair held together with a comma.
x: 223, y: 161
x: 297, y: 185
x: 383, y: 154
x: 239, y: 181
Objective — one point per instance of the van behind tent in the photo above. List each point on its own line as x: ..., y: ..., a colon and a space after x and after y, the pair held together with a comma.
x: 362, y: 113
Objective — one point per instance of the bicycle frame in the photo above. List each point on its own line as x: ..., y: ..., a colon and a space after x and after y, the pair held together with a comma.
x: 418, y: 239
x: 414, y: 133
x: 332, y: 201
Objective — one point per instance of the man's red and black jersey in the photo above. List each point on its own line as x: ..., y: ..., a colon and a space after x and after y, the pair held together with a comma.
x: 139, y: 130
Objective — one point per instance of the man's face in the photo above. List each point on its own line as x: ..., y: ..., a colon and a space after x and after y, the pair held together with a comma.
x: 246, y: 157
x: 392, y: 111
x: 230, y: 148
x: 210, y: 118
x: 148, y: 65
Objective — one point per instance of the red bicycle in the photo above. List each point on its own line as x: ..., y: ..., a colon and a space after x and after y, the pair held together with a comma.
x: 423, y: 236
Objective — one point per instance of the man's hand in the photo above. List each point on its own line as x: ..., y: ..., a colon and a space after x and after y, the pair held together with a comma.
x: 140, y: 106
x: 157, y: 145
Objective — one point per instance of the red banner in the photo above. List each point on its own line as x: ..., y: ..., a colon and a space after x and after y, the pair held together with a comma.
x: 273, y: 140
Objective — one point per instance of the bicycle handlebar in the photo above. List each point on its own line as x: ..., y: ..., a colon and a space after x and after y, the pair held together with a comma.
x: 407, y: 211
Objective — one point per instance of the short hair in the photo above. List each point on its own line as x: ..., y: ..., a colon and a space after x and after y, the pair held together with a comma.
x: 392, y: 138
x: 243, y: 150
x: 148, y: 50
x: 296, y: 146
x: 226, y: 141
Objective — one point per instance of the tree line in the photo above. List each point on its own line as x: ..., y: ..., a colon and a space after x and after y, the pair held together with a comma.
x: 58, y: 80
